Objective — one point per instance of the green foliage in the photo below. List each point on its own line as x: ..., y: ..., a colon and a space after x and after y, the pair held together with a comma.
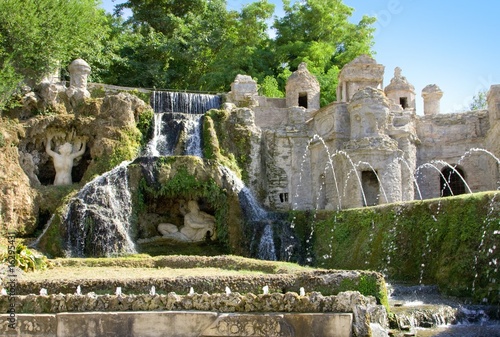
x: 145, y: 125
x: 479, y: 101
x: 270, y: 88
x: 25, y: 259
x: 446, y: 242
x: 39, y: 36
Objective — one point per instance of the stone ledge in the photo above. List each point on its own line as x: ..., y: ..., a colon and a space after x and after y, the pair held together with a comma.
x: 179, y: 324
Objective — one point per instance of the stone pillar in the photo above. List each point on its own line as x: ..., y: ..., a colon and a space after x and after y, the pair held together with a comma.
x: 432, y: 99
x: 493, y: 100
x: 79, y: 71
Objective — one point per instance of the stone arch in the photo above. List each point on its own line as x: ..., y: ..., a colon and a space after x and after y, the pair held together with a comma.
x: 452, y: 181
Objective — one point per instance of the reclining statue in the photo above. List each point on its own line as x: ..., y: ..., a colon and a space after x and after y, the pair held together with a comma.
x: 198, y: 226
x: 63, y: 161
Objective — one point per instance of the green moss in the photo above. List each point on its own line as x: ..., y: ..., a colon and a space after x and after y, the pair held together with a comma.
x: 227, y: 141
x: 145, y: 125
x: 145, y: 96
x: 126, y: 148
x: 447, y: 242
x: 368, y: 285
x: 98, y: 92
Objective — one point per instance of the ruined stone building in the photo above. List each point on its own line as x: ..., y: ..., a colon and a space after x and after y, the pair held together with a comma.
x: 370, y: 146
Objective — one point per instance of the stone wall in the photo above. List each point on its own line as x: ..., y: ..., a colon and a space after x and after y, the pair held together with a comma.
x: 445, y: 139
x: 180, y: 324
x: 346, y: 314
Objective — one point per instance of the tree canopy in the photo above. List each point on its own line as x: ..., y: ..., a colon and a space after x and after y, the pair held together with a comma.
x: 38, y: 35
x: 181, y: 45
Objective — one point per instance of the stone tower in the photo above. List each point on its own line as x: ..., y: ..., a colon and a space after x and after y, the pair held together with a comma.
x: 302, y: 89
x: 360, y: 73
x: 432, y: 99
x: 400, y: 91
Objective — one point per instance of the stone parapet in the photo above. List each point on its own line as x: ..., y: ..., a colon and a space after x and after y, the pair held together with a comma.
x: 183, y: 324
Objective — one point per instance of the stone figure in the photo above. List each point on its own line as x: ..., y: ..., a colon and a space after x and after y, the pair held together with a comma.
x: 79, y: 71
x: 63, y: 161
x: 197, y: 225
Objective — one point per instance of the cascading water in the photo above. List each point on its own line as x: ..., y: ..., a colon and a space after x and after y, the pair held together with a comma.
x: 267, y: 250
x: 193, y: 131
x: 261, y: 224
x: 168, y: 130
x: 98, y: 218
x: 177, y: 112
x: 166, y: 101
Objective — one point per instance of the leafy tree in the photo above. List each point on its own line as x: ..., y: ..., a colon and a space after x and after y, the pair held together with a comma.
x: 203, y: 45
x: 479, y: 101
x: 270, y: 88
x: 39, y: 35
x: 247, y: 48
x: 319, y: 33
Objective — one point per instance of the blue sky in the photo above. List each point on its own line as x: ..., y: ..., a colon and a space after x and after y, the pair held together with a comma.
x: 454, y: 44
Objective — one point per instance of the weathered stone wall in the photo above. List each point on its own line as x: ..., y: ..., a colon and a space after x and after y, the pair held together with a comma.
x: 445, y: 139
x: 346, y: 314
x: 182, y: 324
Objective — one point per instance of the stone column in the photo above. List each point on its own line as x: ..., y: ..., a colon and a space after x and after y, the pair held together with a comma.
x: 432, y: 99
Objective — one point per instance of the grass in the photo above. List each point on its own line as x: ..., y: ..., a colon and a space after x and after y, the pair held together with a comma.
x: 128, y: 273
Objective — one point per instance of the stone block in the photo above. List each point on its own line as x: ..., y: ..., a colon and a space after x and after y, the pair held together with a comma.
x: 134, y: 324
x: 29, y: 325
x: 324, y: 325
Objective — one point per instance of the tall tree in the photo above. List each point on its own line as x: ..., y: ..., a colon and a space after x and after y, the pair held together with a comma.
x: 204, y: 46
x: 319, y: 32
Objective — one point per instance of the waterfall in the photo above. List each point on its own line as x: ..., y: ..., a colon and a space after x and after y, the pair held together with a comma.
x: 168, y: 130
x: 193, y: 131
x: 157, y: 144
x: 267, y: 250
x: 97, y: 220
x: 167, y: 101
x: 260, y: 222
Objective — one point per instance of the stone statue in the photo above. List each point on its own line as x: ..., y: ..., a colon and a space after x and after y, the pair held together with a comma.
x: 79, y: 71
x: 63, y: 161
x: 197, y: 225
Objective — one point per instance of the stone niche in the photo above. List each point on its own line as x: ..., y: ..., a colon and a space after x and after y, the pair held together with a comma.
x: 302, y: 89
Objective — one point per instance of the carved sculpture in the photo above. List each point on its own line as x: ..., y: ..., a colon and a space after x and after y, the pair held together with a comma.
x: 63, y: 161
x: 197, y: 225
x: 79, y: 71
